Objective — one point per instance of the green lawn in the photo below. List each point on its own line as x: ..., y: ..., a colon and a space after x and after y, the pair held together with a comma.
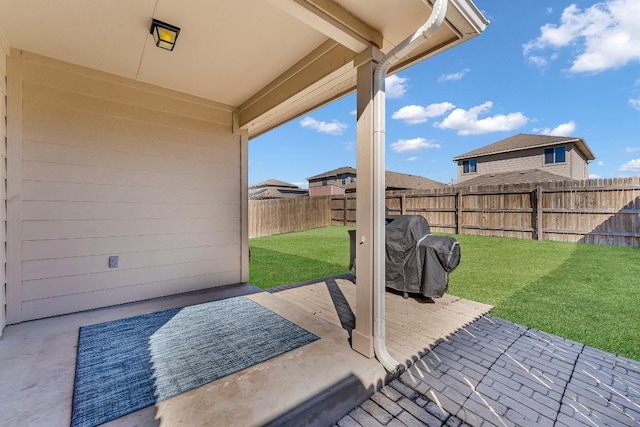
x: 298, y: 257
x: 587, y: 293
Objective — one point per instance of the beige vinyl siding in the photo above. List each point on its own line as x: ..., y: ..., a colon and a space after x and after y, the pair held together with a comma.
x: 3, y: 181
x: 532, y: 158
x: 579, y: 167
x: 113, y: 167
x: 505, y: 162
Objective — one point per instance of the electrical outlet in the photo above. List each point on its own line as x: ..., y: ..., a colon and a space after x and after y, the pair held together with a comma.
x: 113, y: 261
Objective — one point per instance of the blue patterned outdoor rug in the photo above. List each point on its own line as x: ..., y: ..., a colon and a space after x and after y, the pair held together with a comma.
x: 129, y: 364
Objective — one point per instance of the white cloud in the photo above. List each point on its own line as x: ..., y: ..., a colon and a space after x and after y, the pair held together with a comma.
x: 414, y: 114
x: 631, y: 149
x: 549, y: 10
x: 605, y: 35
x: 395, y: 86
x: 453, y: 77
x: 538, y: 61
x: 467, y: 122
x: 409, y: 145
x: 353, y: 112
x: 302, y: 184
x: 631, y: 166
x: 330, y: 128
x: 635, y: 103
x: 564, y: 129
x: 594, y: 176
x: 412, y: 159
x: 600, y: 163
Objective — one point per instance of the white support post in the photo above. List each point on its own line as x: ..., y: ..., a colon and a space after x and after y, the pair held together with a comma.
x: 362, y: 336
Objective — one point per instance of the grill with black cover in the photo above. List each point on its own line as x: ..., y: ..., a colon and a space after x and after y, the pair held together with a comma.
x: 416, y: 260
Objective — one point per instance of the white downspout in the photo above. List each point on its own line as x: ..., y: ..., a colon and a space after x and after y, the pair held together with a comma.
x: 438, y: 14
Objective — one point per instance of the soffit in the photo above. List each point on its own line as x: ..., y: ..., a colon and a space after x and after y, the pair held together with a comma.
x: 248, y: 54
x: 225, y: 52
x: 463, y: 22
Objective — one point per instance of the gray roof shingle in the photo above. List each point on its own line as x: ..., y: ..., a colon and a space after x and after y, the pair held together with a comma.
x: 273, y: 183
x: 524, y: 141
x: 393, y: 180
x: 276, y: 193
x: 519, y: 177
x: 332, y: 173
x: 396, y: 180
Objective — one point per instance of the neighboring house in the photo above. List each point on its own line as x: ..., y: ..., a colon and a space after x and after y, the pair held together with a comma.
x: 525, y: 158
x: 344, y: 179
x: 274, y: 189
x: 332, y: 182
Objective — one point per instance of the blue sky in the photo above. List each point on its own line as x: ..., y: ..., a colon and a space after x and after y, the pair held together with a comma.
x: 556, y: 67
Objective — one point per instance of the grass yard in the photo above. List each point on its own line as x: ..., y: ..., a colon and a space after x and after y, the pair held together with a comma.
x: 587, y: 293
x: 298, y: 257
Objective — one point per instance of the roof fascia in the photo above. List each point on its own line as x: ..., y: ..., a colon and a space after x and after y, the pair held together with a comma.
x: 584, y: 148
x: 327, y: 58
x: 465, y: 22
x: 328, y: 18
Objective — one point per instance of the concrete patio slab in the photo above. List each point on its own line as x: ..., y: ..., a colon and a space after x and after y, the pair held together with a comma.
x: 413, y: 325
x: 315, y: 384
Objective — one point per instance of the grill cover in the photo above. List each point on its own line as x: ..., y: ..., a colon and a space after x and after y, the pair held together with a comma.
x: 416, y: 260
x: 403, y: 258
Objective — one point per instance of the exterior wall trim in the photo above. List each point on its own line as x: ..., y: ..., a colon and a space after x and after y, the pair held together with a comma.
x: 14, y: 187
x: 4, y: 53
x: 244, y: 200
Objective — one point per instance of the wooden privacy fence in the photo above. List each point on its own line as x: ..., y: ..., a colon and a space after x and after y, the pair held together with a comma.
x: 593, y: 211
x: 268, y: 217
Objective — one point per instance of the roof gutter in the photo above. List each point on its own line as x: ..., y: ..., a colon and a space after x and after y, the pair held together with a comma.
x: 435, y: 20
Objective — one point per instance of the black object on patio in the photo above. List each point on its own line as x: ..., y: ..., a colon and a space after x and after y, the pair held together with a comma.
x: 416, y: 260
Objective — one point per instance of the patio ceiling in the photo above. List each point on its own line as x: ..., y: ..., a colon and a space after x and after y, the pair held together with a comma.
x: 271, y: 60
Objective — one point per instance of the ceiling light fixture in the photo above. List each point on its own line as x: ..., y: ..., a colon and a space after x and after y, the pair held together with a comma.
x: 165, y: 35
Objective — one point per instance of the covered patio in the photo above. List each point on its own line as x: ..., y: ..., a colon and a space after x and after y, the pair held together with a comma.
x: 127, y: 174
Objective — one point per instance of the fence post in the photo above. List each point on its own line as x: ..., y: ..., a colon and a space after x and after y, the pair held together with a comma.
x: 344, y: 214
x: 539, y: 231
x: 459, y: 212
x: 403, y: 205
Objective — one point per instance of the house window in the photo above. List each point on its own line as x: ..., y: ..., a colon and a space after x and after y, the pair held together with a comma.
x: 353, y: 178
x: 324, y: 182
x: 469, y: 166
x: 344, y: 179
x: 555, y: 155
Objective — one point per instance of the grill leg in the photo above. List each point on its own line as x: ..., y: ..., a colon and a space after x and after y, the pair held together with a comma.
x: 405, y: 295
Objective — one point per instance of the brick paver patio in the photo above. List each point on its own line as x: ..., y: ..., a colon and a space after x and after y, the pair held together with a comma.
x: 494, y: 372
